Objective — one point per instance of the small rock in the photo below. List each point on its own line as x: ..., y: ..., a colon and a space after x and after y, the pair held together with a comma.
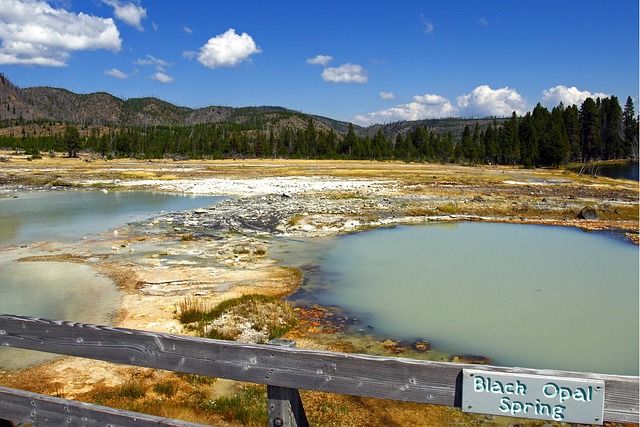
x: 588, y: 213
x: 422, y: 346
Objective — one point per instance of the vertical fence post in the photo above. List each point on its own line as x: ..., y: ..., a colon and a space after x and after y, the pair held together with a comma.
x: 285, y: 405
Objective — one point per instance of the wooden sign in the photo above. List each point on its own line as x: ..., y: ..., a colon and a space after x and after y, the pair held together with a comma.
x: 537, y: 397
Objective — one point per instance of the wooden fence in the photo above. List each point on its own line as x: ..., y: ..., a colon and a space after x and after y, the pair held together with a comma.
x: 283, y: 368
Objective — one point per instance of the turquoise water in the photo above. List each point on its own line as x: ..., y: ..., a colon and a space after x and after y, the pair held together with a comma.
x: 522, y: 295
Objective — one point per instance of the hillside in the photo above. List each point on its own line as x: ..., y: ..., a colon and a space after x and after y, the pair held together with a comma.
x: 33, y: 104
x: 19, y: 105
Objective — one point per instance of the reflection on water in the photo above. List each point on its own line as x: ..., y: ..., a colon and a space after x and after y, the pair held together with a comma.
x: 626, y: 171
x: 528, y: 296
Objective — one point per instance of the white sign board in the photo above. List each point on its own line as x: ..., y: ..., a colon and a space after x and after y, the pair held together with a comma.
x: 537, y: 397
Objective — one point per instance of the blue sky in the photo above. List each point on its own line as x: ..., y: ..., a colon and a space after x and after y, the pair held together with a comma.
x: 360, y: 61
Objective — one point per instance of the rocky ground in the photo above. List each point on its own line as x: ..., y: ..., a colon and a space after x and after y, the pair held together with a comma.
x: 228, y: 244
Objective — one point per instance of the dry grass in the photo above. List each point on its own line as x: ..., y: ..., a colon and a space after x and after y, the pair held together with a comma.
x: 260, y: 316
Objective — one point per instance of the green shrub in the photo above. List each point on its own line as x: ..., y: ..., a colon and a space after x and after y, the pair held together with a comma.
x: 131, y: 391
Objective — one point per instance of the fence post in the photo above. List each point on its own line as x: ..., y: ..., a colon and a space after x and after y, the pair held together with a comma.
x: 285, y: 405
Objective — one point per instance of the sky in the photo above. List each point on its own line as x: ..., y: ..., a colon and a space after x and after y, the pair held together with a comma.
x: 361, y: 61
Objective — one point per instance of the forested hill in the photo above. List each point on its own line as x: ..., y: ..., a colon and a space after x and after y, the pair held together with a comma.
x: 45, y: 119
x: 35, y: 104
x: 45, y: 103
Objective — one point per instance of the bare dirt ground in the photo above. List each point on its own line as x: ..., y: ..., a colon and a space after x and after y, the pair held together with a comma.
x: 294, y: 198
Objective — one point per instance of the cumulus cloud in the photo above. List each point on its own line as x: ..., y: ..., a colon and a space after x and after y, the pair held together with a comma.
x: 567, y: 95
x: 346, y: 73
x: 128, y: 12
x: 114, y: 72
x: 484, y: 101
x: 34, y: 33
x: 387, y: 95
x: 227, y: 50
x: 422, y: 107
x: 162, y: 77
x: 481, y: 102
x: 320, y: 60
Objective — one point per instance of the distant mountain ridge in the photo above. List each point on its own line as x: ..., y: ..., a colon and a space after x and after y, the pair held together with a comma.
x: 100, y: 108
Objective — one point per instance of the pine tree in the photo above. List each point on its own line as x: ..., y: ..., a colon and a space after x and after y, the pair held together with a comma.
x: 572, y: 128
x: 611, y: 128
x: 349, y: 143
x: 71, y: 139
x: 630, y: 130
x: 528, y: 141
x: 590, y: 130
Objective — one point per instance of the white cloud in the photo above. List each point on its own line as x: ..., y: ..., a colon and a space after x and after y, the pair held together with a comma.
x: 484, y: 101
x: 162, y: 77
x: 387, y: 95
x: 481, y: 102
x: 34, y: 33
x: 346, y: 73
x: 114, y: 72
x: 227, y: 50
x: 189, y: 54
x: 431, y: 99
x: 567, y: 95
x: 160, y: 66
x: 152, y: 60
x: 128, y: 12
x: 320, y: 60
x: 427, y: 25
x: 423, y: 107
x: 187, y: 30
x: 483, y: 21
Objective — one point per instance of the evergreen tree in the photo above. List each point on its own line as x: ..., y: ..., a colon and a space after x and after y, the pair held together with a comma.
x: 71, y: 139
x: 630, y: 130
x: 590, y: 130
x: 380, y: 146
x: 349, y: 143
x: 572, y: 129
x: 466, y: 144
x: 557, y: 150
x: 528, y: 141
x: 612, y: 132
x: 509, y: 142
x: 490, y: 145
x: 476, y: 148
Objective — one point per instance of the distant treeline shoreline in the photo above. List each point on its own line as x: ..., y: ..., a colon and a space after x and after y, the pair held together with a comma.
x: 598, y: 130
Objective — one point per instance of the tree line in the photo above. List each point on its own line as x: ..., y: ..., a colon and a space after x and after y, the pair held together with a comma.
x: 599, y: 130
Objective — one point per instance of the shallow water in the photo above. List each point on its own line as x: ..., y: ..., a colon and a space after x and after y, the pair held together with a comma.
x: 522, y: 295
x: 59, y: 290
x: 53, y: 290
x: 70, y: 215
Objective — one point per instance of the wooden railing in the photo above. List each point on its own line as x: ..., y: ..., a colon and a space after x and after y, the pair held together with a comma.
x: 283, y: 368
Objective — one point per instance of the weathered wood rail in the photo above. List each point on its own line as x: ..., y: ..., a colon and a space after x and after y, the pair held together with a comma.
x: 282, y: 368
